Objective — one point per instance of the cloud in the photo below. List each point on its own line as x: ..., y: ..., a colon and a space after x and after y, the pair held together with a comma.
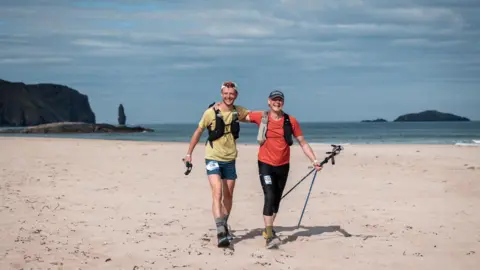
x: 422, y: 42
x: 38, y: 60
x: 183, y: 66
x: 294, y: 43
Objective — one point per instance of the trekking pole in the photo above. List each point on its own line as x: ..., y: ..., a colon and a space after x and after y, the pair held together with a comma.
x: 306, y: 201
x: 335, y: 151
x: 298, y: 183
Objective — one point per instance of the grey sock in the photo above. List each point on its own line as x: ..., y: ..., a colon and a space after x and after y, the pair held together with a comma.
x: 220, y: 222
x: 226, y: 218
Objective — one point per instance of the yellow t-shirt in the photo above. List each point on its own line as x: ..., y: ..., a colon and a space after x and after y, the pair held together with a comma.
x: 224, y: 148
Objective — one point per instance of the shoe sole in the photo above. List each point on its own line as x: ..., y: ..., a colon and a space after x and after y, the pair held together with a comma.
x: 224, y: 242
x: 274, y: 244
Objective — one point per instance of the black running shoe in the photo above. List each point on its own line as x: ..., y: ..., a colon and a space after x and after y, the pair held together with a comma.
x: 223, y: 240
x: 229, y: 234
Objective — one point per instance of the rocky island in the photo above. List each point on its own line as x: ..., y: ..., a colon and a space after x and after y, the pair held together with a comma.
x: 429, y: 115
x: 51, y: 108
x: 374, y: 120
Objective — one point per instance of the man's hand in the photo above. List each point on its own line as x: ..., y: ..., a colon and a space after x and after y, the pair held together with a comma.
x: 187, y: 158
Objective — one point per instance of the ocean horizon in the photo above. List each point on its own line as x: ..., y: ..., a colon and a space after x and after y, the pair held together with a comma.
x: 315, y: 132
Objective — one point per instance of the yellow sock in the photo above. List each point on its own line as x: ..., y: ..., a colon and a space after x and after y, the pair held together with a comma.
x: 269, y: 231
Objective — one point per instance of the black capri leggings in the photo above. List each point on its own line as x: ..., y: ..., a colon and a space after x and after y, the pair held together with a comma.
x: 273, y: 180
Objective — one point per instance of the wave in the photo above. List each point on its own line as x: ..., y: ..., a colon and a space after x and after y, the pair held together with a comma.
x: 473, y: 143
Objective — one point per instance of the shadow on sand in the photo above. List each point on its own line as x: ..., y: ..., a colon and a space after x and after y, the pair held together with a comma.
x: 302, y: 231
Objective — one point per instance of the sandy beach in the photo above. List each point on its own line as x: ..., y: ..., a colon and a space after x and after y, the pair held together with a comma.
x: 92, y: 204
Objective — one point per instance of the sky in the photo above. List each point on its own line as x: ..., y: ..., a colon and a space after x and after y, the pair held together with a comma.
x: 335, y: 60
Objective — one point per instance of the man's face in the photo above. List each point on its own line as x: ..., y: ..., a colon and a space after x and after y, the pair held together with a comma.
x: 229, y: 95
x: 276, y: 104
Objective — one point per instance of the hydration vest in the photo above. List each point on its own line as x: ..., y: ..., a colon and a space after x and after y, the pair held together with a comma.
x: 287, y: 129
x: 219, y: 131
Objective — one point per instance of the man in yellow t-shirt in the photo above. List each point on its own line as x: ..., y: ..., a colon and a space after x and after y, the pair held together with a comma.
x: 220, y: 154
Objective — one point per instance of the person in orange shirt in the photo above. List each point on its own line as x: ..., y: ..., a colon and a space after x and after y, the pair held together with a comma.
x: 276, y: 132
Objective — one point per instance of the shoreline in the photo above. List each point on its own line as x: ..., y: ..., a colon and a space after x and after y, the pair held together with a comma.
x: 68, y: 137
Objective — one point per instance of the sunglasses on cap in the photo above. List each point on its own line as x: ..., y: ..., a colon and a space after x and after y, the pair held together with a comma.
x: 229, y: 85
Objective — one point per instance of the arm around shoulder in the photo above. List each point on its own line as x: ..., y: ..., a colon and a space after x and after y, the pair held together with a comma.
x: 253, y: 117
x: 243, y: 114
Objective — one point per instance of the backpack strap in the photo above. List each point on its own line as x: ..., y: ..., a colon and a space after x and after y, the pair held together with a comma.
x: 287, y: 129
x: 234, y: 114
x: 262, y: 129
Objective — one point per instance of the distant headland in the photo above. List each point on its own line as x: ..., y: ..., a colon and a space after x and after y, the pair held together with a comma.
x: 430, y: 115
x: 51, y: 108
x: 375, y: 120
x: 425, y: 116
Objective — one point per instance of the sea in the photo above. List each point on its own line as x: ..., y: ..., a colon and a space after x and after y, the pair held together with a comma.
x: 450, y: 133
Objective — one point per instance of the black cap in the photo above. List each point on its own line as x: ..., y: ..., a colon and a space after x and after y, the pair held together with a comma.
x: 275, y: 94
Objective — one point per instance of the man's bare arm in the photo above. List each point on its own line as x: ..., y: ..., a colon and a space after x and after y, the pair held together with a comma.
x: 194, y: 140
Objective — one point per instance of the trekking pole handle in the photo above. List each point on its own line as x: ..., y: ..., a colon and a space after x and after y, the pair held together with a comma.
x: 335, y: 151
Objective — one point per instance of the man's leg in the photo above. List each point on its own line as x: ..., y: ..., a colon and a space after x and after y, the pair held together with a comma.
x: 228, y: 187
x: 216, y: 188
x: 229, y: 176
x: 214, y: 178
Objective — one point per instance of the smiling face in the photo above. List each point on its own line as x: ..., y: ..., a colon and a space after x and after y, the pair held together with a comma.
x: 276, y: 104
x: 229, y: 94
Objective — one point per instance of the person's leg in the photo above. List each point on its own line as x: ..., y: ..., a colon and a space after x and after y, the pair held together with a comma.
x: 214, y: 178
x: 216, y: 188
x: 229, y: 175
x: 281, y: 176
x: 268, y: 193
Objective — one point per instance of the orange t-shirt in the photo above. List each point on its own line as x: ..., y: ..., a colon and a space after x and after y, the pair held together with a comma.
x: 275, y: 151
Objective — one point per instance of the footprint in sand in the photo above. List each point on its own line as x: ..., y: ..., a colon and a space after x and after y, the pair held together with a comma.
x: 205, y: 240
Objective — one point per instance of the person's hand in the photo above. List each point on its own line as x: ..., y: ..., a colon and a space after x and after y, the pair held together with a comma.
x: 216, y: 106
x: 317, y: 165
x: 187, y: 158
x: 188, y: 163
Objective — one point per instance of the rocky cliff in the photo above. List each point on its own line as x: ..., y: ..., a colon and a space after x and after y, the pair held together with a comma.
x: 34, y: 104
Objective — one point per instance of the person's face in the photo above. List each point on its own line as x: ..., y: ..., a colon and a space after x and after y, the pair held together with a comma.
x: 276, y: 104
x: 229, y: 94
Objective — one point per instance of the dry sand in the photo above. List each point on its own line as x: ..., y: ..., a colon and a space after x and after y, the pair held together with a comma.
x: 91, y: 204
